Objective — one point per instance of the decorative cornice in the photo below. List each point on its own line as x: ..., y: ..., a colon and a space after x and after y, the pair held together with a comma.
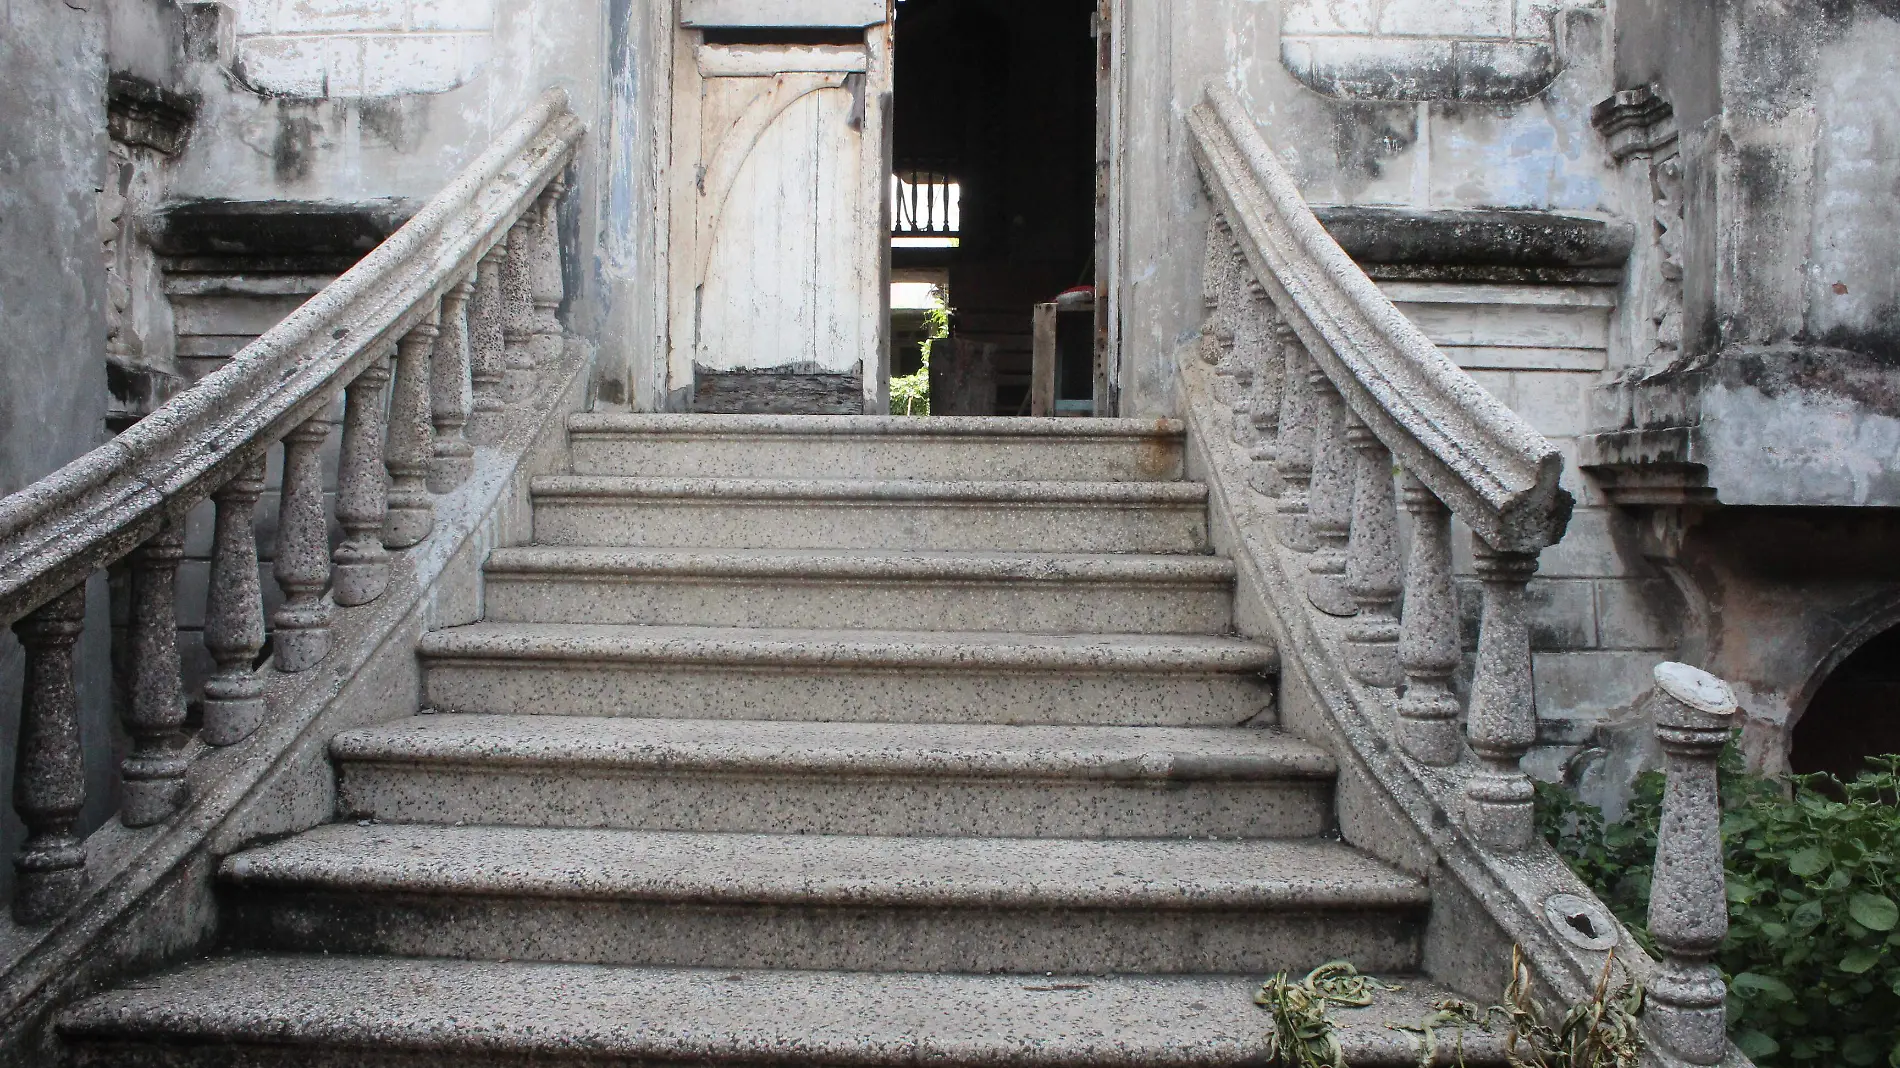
x: 1635, y: 121
x: 139, y: 112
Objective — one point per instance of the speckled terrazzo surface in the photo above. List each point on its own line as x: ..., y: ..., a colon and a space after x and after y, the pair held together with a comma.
x: 476, y: 1009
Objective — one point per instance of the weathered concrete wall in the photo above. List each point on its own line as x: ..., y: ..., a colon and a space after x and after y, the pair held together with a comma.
x: 52, y: 309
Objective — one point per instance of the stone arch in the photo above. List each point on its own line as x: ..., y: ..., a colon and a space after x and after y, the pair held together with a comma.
x: 1849, y: 707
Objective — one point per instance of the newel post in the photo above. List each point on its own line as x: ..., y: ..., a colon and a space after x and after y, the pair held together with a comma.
x: 1688, y: 902
x: 49, y: 776
x: 1502, y: 721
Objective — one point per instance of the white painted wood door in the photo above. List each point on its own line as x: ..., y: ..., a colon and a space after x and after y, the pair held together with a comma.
x: 780, y: 249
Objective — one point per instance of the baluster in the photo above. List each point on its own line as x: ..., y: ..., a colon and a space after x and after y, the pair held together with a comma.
x: 300, y: 636
x: 1372, y: 561
x: 411, y: 514
x: 449, y: 394
x: 1688, y: 902
x: 1263, y: 407
x: 154, y: 772
x: 1217, y: 267
x: 1428, y: 634
x: 488, y: 358
x: 1329, y: 501
x: 1293, y: 452
x: 548, y: 286
x: 234, y: 615
x: 362, y: 492
x: 49, y: 774
x: 517, y: 310
x: 1502, y: 721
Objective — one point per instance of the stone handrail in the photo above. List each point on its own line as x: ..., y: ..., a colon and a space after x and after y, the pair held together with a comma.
x: 466, y: 294
x: 1310, y: 393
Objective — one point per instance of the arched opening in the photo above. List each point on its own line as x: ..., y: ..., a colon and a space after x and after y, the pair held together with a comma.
x: 1855, y: 714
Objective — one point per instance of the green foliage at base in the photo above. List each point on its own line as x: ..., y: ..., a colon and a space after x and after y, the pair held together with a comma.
x: 1813, y: 951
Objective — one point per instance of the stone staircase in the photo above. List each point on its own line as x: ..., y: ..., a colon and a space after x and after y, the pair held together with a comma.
x: 844, y: 741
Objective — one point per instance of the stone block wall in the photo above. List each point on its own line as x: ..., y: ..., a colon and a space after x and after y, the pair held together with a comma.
x: 362, y: 48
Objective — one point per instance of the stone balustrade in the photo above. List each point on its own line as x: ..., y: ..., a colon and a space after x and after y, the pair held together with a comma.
x: 1361, y: 402
x: 1347, y: 412
x: 474, y: 275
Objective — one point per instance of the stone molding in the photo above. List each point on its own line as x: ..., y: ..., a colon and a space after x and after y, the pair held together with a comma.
x: 96, y: 509
x: 1488, y: 466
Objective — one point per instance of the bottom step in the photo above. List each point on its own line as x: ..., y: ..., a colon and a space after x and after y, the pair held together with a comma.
x: 352, y: 1012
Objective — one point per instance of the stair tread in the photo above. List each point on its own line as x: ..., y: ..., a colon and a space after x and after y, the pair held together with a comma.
x: 889, y: 564
x: 1129, y: 754
x: 982, y: 428
x: 628, y: 487
x: 861, y: 648
x: 675, y: 1015
x: 849, y: 870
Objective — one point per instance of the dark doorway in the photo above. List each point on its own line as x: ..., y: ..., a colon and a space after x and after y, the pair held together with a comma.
x: 1855, y: 714
x: 994, y: 193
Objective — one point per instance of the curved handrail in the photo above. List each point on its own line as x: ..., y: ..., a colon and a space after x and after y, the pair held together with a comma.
x: 1488, y: 465
x: 97, y: 508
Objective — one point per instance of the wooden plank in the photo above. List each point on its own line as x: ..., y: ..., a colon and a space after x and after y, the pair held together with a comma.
x: 1042, y: 373
x: 818, y: 13
x: 763, y: 61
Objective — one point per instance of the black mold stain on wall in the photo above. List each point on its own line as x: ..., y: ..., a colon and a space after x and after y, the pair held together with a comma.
x: 1366, y: 135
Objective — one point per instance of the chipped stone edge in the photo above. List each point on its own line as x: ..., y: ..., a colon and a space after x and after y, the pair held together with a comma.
x: 1410, y: 818
x: 152, y: 899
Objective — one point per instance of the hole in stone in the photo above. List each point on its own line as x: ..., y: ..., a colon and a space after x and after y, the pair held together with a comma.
x: 1581, y: 921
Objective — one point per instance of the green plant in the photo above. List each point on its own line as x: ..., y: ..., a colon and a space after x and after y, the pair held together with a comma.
x: 1602, y: 1031
x: 910, y: 394
x: 1813, y: 951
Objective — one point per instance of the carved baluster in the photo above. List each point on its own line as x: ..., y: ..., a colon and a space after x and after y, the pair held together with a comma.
x: 301, y: 625
x: 1372, y: 561
x: 548, y: 287
x: 1428, y: 634
x: 1688, y: 902
x: 408, y: 451
x: 1263, y: 407
x: 154, y: 771
x: 49, y: 774
x: 1293, y: 452
x: 449, y: 394
x: 488, y: 358
x: 1502, y: 721
x: 362, y: 492
x: 234, y: 616
x: 517, y: 310
x: 1217, y: 268
x: 1329, y: 501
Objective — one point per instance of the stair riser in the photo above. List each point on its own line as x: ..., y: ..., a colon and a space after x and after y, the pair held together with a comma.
x: 1020, y: 606
x: 934, y: 938
x: 899, y: 695
x: 1118, y: 460
x: 873, y: 805
x: 881, y: 524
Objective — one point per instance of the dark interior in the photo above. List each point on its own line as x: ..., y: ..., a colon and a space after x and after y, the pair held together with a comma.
x: 1855, y: 714
x: 999, y: 96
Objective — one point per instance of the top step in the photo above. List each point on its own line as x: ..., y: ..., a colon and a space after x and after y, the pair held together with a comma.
x: 877, y: 447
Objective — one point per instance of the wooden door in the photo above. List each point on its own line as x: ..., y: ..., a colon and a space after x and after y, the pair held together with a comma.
x: 780, y: 254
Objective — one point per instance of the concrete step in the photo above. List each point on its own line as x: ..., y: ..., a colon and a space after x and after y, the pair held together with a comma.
x: 280, y: 1012
x: 878, y: 676
x: 876, y: 447
x: 776, y: 513
x: 822, y: 901
x: 879, y: 590
x: 836, y: 778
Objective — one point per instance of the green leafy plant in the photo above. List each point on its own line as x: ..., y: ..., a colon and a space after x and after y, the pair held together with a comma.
x: 1813, y: 951
x: 910, y: 394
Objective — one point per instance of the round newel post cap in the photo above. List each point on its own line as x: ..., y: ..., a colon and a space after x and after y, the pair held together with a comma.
x: 1695, y: 699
